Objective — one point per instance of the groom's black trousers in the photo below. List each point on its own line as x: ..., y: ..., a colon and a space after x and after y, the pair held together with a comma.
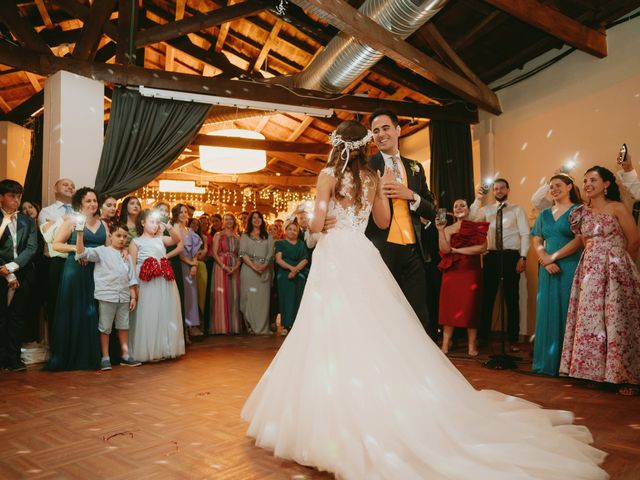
x: 407, y: 267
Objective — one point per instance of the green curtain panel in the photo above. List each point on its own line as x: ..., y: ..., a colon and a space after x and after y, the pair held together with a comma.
x: 33, y: 180
x: 144, y: 137
x: 451, y: 162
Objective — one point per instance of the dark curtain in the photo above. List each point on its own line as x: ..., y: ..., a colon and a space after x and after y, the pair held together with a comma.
x: 33, y: 180
x: 144, y: 137
x: 451, y: 162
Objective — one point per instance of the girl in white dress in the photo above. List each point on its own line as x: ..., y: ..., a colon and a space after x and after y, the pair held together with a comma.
x: 369, y: 395
x: 156, y: 324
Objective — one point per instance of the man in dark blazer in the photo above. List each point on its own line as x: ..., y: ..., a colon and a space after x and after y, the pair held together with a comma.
x: 18, y: 245
x: 404, y: 183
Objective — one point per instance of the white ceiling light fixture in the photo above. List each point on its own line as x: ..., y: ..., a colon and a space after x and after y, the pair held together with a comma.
x: 234, y: 102
x: 180, y: 186
x: 233, y: 160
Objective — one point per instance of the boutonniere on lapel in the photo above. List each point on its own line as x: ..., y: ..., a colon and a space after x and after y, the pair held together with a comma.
x: 414, y: 166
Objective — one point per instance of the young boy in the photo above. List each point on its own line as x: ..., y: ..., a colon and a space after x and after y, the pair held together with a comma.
x: 115, y: 280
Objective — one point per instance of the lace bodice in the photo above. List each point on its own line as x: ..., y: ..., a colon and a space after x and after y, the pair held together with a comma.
x: 349, y: 216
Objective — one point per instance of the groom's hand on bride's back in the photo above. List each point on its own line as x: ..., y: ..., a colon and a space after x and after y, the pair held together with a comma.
x: 329, y: 223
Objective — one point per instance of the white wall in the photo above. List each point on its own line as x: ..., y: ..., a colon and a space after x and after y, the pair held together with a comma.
x: 417, y: 147
x: 581, y: 107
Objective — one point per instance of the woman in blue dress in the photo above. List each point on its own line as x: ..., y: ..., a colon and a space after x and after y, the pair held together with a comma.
x: 558, y: 254
x: 75, y: 343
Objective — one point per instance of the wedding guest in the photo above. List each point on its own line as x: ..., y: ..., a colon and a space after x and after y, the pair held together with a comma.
x: 461, y: 246
x: 129, y: 211
x: 115, y: 279
x: 173, y: 251
x: 202, y: 276
x: 191, y: 210
x: 109, y: 209
x: 244, y: 221
x: 292, y: 258
x: 189, y: 268
x: 226, y: 281
x: 49, y: 220
x: 75, y: 343
x: 207, y: 233
x: 602, y: 337
x: 256, y: 251
x: 558, y: 252
x: 279, y: 235
x: 34, y: 327
x: 18, y: 246
x: 515, y: 243
x: 216, y: 223
x: 156, y: 323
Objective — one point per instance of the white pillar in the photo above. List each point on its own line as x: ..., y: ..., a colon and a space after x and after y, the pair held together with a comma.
x: 73, y: 131
x: 15, y: 150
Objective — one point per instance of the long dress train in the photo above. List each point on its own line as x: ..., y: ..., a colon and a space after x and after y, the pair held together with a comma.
x: 370, y: 396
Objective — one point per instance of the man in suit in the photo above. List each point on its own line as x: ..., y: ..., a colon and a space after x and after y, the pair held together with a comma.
x: 18, y: 245
x: 404, y: 183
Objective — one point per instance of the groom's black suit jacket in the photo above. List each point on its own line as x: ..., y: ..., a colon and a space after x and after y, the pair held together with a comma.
x: 27, y: 239
x: 417, y: 182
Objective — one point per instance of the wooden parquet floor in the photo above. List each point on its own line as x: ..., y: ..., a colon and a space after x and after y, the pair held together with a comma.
x: 180, y: 419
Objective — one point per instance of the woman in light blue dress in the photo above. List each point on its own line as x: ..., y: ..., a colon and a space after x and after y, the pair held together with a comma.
x: 558, y: 253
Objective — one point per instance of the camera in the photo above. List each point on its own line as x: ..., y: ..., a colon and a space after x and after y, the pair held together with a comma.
x: 622, y: 156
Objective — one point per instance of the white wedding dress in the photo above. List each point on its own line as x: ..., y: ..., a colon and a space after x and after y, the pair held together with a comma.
x: 358, y: 388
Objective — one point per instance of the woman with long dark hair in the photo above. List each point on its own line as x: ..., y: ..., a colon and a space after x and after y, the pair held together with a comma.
x: 225, y: 287
x: 358, y: 389
x: 75, y: 341
x: 108, y: 209
x: 129, y: 212
x: 602, y: 336
x: 558, y: 250
x: 256, y: 274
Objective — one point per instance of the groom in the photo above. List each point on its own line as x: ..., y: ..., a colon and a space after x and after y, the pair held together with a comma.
x: 405, y: 185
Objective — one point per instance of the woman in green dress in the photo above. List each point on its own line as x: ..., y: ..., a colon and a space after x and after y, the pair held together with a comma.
x: 558, y: 254
x: 292, y: 257
x: 129, y: 213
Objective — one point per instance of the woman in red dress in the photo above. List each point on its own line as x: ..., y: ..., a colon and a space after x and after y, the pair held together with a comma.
x: 461, y: 246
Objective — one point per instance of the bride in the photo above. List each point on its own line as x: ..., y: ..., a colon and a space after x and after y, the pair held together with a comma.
x: 368, y: 394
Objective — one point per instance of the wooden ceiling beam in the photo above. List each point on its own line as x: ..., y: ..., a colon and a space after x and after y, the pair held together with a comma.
x: 87, y: 43
x: 22, y: 112
x: 298, y: 161
x: 556, y: 24
x: 244, y: 178
x: 4, y: 106
x: 198, y: 22
x: 256, y: 144
x: 266, y: 47
x: 300, y: 129
x: 80, y: 11
x: 22, y: 29
x: 127, y: 26
x: 42, y: 9
x: 483, y: 27
x: 246, y: 90
x: 33, y: 80
x: 352, y: 22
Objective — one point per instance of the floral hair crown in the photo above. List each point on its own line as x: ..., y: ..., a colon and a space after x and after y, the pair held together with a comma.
x: 336, y: 141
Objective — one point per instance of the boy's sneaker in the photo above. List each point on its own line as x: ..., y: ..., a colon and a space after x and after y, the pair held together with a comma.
x: 130, y: 362
x: 105, y: 364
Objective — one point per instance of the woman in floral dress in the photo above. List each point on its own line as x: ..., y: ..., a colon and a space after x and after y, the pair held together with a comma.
x: 602, y: 337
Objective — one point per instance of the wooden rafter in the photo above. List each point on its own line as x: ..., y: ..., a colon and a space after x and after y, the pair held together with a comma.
x: 300, y: 129
x: 556, y: 24
x: 42, y: 9
x: 491, y: 21
x: 222, y: 32
x: 127, y: 22
x: 4, y: 106
x: 87, y: 44
x: 199, y: 22
x: 256, y: 144
x: 349, y: 20
x: 129, y: 75
x: 33, y: 80
x: 268, y: 45
x: 298, y: 161
x: 22, y: 29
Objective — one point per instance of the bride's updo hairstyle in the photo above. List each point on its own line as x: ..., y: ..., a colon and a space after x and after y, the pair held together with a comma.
x: 350, y: 153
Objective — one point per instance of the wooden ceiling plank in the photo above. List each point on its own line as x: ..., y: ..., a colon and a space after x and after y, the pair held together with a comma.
x: 33, y: 80
x: 491, y: 21
x: 556, y: 24
x: 198, y: 22
x: 266, y: 47
x: 4, y: 106
x: 262, y: 123
x: 247, y: 90
x: 80, y: 11
x: 351, y: 21
x: 42, y: 9
x: 87, y: 44
x: 22, y: 29
x: 300, y: 129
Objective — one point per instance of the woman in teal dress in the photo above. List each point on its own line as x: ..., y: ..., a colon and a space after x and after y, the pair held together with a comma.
x: 75, y: 341
x: 558, y: 254
x: 292, y: 258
